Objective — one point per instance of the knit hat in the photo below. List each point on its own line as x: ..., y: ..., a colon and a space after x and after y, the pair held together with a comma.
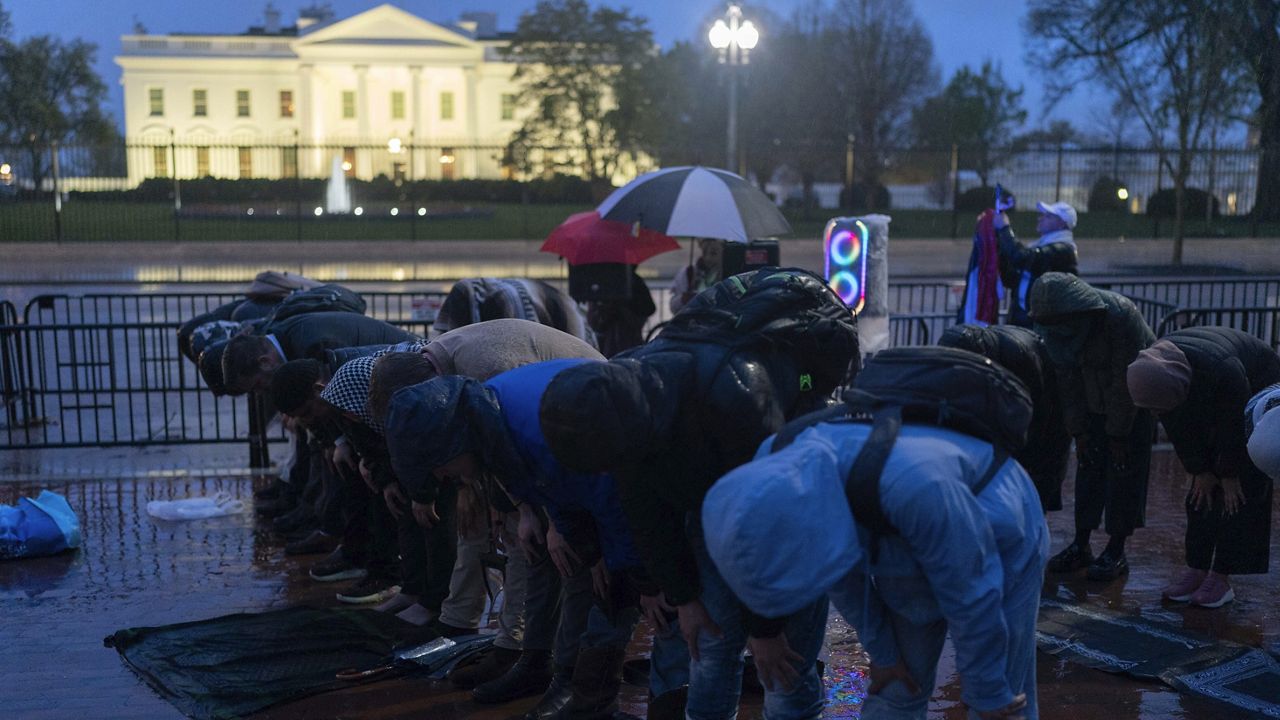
x: 1160, y: 377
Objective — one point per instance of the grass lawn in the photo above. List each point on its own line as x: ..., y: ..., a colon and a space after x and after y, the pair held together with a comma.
x: 101, y: 221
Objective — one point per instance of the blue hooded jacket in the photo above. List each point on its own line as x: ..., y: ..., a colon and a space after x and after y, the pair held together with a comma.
x: 432, y: 422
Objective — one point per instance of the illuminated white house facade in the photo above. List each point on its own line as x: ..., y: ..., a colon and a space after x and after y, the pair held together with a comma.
x: 282, y: 102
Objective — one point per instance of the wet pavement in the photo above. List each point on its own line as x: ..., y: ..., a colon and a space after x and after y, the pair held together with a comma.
x: 133, y: 571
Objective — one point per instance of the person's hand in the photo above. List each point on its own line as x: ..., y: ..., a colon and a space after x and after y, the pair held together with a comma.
x: 344, y: 456
x: 1202, y: 486
x: 425, y: 514
x: 562, y: 555
x: 882, y: 676
x: 1118, y: 451
x: 1232, y: 495
x: 600, y: 579
x: 1004, y: 204
x: 396, y: 502
x: 775, y: 662
x: 366, y: 474
x: 655, y: 608
x: 529, y: 532
x: 1012, y: 711
x: 694, y: 618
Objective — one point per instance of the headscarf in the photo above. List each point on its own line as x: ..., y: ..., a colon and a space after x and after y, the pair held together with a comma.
x: 348, y: 391
x: 1160, y: 377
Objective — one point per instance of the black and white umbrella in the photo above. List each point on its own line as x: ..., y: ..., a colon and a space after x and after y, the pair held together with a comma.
x: 695, y: 201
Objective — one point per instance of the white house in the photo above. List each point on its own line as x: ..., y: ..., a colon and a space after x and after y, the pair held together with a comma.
x: 285, y: 101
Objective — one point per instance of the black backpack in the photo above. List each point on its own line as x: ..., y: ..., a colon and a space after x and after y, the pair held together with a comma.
x: 947, y: 387
x: 324, y: 298
x: 785, y: 310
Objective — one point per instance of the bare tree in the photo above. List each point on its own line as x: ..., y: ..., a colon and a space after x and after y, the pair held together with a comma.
x: 1165, y: 59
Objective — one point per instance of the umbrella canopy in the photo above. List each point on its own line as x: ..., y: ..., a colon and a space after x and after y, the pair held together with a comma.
x: 696, y: 202
x: 585, y: 238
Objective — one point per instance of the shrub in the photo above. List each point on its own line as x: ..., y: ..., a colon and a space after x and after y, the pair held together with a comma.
x: 1194, y: 202
x: 1103, y: 196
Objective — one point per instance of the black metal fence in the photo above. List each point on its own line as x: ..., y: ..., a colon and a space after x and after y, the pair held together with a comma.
x: 104, y: 369
x: 161, y: 188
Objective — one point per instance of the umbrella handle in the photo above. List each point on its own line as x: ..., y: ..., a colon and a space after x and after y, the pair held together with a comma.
x: 354, y: 675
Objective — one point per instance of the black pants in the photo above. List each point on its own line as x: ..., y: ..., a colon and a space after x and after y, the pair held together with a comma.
x: 369, y: 537
x: 440, y: 549
x: 1238, y: 544
x: 1120, y: 491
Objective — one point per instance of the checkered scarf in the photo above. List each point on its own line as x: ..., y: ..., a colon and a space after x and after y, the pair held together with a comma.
x: 414, y: 346
x: 349, y: 391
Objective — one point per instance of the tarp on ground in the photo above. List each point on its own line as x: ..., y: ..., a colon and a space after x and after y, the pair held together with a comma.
x: 231, y: 666
x: 1146, y: 648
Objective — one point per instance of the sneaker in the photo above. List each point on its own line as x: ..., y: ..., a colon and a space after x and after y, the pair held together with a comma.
x: 1072, y: 558
x: 372, y: 589
x: 1185, y: 586
x: 1108, y: 566
x: 396, y: 603
x: 337, y: 567
x: 317, y: 542
x: 1214, y: 592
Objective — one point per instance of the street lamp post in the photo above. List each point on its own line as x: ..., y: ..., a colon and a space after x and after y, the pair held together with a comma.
x: 734, y: 38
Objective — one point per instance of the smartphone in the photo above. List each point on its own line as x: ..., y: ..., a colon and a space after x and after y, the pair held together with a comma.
x: 1002, y: 195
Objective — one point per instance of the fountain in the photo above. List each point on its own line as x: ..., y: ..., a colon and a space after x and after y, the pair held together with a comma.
x: 337, y: 198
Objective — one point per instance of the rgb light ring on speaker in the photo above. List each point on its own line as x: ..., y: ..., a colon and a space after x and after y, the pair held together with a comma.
x: 845, y: 284
x: 845, y: 248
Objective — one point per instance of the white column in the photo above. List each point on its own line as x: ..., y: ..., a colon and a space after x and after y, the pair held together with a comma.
x: 308, y: 165
x: 472, y: 168
x: 415, y: 117
x: 364, y: 161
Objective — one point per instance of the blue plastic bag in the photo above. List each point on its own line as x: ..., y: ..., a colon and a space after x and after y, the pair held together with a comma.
x: 45, y: 525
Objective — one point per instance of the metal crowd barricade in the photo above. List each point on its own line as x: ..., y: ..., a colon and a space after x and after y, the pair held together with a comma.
x: 1260, y: 321
x: 10, y: 368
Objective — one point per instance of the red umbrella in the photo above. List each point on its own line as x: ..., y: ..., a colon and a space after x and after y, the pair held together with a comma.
x: 585, y: 238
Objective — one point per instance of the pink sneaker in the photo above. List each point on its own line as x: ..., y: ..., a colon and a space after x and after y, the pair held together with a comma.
x: 1185, y: 586
x: 1215, y: 592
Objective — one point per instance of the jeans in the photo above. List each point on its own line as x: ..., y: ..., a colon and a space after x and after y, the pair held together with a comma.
x: 920, y: 645
x: 668, y: 661
x: 715, y: 679
x: 555, y: 610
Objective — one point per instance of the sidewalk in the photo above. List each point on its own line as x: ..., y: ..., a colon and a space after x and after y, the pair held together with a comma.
x: 134, y: 571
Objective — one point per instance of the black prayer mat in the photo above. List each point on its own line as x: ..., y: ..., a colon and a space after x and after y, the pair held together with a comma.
x: 1243, y: 676
x: 235, y: 665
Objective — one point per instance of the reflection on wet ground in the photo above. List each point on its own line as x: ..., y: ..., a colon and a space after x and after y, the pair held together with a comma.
x: 136, y: 571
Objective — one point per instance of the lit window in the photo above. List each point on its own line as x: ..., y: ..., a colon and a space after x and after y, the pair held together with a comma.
x: 246, y: 162
x: 397, y: 105
x: 286, y: 103
x: 348, y: 104
x: 289, y: 162
x: 156, y: 96
x: 446, y: 106
x: 200, y: 103
x: 202, y: 162
x: 508, y: 106
x: 242, y: 103
x: 160, y: 161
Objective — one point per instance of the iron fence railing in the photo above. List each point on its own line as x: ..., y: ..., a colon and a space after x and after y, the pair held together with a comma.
x: 1263, y: 322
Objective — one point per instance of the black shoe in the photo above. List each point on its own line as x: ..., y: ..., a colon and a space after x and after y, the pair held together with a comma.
x: 317, y: 542
x: 274, y: 508
x: 337, y: 566
x: 530, y: 675
x: 294, y: 520
x: 555, y: 698
x: 1071, y: 559
x: 372, y: 589
x: 1109, y: 566
x: 489, y: 666
x: 596, y: 680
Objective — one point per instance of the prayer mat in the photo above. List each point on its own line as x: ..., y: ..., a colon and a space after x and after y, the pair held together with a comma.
x: 1239, y: 675
x: 235, y: 665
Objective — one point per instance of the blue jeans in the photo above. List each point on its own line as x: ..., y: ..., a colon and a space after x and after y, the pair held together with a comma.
x: 715, y: 679
x: 669, y: 661
x: 920, y: 645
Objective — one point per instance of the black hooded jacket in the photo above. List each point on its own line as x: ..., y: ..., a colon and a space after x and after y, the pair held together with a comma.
x: 1228, y: 367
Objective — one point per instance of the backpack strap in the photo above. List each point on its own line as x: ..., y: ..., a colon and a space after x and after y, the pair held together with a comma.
x: 862, y: 487
x: 998, y: 460
x: 792, y: 430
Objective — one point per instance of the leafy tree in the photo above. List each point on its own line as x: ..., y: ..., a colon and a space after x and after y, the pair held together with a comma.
x: 581, y: 72
x: 49, y: 93
x: 976, y: 111
x: 1164, y: 59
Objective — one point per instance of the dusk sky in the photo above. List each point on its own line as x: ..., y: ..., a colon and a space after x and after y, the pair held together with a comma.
x: 963, y: 31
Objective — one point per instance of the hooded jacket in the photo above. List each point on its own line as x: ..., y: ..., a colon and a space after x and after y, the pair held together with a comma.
x: 1022, y: 352
x: 1021, y: 266
x: 498, y: 421
x: 1228, y: 367
x: 1091, y: 336
x: 474, y: 300
x: 309, y: 335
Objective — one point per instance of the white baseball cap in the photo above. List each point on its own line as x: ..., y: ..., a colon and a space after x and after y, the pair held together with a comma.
x: 1060, y: 209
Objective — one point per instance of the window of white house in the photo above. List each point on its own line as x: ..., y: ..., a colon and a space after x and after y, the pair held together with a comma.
x: 156, y: 97
x: 508, y: 106
x: 160, y: 161
x: 397, y: 105
x: 289, y: 162
x: 242, y: 103
x: 202, y: 162
x: 200, y: 103
x: 286, y: 103
x: 446, y: 105
x: 246, y: 162
x: 348, y: 104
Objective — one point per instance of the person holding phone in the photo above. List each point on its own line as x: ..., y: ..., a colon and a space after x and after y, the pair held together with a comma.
x: 1021, y: 265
